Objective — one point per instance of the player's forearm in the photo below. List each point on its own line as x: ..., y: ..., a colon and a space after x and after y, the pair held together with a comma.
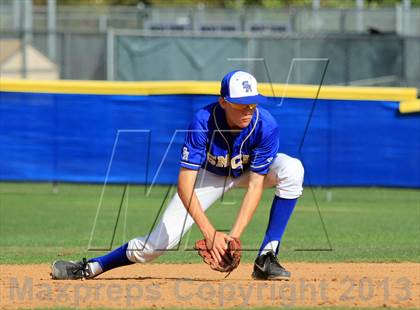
x: 249, y: 205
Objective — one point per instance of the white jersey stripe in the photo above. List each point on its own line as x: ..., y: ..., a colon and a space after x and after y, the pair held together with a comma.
x: 194, y: 165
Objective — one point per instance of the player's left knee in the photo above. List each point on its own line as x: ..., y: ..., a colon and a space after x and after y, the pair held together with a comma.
x: 290, y: 174
x: 295, y: 172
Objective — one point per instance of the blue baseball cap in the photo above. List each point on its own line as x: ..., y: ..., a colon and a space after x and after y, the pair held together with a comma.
x: 240, y: 87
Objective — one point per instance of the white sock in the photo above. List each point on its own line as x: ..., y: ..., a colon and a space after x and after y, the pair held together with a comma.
x: 271, y: 246
x: 94, y: 269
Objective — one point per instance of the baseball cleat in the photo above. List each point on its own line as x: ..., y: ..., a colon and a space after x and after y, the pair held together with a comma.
x: 70, y: 270
x: 267, y: 267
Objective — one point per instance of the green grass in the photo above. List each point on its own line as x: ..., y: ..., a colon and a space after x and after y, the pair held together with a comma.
x: 363, y: 224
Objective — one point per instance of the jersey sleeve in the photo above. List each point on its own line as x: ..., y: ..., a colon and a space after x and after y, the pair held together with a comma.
x: 193, y: 152
x: 265, y: 151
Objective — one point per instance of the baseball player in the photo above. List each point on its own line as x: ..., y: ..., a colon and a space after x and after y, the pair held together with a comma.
x: 230, y: 143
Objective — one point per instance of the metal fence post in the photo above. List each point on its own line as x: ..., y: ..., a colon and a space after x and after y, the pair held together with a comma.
x: 346, y: 47
x: 406, y: 16
x: 360, y: 15
x: 27, y: 35
x: 343, y: 16
x: 17, y: 15
x: 51, y: 26
x: 403, y: 77
x: 66, y: 73
x: 110, y: 68
x: 28, y: 19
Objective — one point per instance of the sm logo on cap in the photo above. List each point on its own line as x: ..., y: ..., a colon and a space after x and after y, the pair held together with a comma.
x: 247, y: 86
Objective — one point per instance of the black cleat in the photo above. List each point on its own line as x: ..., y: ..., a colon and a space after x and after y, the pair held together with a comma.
x: 70, y: 270
x: 267, y: 267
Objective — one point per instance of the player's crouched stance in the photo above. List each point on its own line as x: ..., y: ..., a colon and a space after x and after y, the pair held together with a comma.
x: 231, y: 143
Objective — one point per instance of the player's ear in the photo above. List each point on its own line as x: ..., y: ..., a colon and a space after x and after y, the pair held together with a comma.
x: 222, y: 102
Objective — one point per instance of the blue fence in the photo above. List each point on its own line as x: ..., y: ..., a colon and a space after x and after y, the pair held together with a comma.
x: 136, y: 139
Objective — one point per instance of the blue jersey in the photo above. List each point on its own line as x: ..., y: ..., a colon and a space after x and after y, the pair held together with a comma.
x: 210, y: 143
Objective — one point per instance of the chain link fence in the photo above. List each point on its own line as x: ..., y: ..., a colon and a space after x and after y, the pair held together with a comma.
x: 400, y: 20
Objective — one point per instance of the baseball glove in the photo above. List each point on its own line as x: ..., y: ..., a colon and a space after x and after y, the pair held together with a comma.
x: 230, y: 260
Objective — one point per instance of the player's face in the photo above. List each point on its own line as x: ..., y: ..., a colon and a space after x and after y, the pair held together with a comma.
x: 238, y: 115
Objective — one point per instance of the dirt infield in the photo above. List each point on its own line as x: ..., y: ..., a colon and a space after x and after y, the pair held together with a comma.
x: 194, y: 285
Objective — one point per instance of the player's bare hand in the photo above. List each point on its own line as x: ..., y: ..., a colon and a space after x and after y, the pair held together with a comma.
x: 218, y: 245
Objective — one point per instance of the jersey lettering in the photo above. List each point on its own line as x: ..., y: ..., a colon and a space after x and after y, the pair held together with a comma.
x: 211, y: 159
x: 222, y: 161
x: 185, y: 153
x: 236, y: 162
x: 225, y: 161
